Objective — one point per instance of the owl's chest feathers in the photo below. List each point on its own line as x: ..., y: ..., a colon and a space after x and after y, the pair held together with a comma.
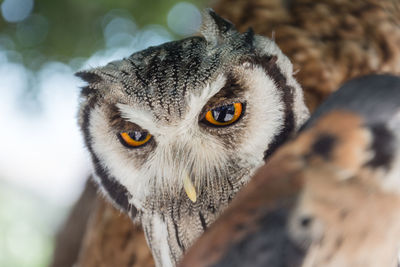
x: 172, y: 227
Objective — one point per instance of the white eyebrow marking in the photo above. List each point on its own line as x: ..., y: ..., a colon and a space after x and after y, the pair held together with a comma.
x: 141, y: 117
x: 197, y: 102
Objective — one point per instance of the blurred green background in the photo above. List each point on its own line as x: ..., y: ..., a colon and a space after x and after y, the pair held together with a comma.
x: 43, y: 164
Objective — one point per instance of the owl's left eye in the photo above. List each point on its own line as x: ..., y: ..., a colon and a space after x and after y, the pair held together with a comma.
x: 134, y: 139
x: 224, y: 115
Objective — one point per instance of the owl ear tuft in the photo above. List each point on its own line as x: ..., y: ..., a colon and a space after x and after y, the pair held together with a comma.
x: 248, y: 36
x: 214, y: 28
x: 89, y: 76
x: 92, y: 79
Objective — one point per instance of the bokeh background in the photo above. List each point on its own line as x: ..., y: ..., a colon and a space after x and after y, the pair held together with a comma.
x: 43, y: 163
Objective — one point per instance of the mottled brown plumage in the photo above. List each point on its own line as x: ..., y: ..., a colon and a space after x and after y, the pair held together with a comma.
x: 112, y: 240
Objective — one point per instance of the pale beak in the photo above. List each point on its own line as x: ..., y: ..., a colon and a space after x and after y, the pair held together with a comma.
x: 189, y: 188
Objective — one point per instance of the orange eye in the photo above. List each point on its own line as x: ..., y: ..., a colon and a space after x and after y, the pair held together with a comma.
x: 134, y: 138
x: 224, y: 115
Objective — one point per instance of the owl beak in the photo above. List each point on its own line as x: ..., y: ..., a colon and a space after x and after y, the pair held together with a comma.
x: 189, y: 188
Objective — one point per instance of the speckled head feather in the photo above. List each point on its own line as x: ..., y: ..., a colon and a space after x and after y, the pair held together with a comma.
x: 188, y: 169
x: 162, y: 76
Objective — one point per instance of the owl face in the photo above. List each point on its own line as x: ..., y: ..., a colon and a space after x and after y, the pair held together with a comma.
x: 188, y: 122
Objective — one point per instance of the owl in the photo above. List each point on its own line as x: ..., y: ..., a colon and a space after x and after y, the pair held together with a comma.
x: 175, y: 130
x: 330, y: 197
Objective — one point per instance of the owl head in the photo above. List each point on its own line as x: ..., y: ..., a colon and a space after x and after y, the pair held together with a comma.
x: 188, y: 120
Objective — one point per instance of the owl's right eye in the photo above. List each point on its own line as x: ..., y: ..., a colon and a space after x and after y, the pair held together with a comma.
x: 224, y: 115
x: 134, y: 139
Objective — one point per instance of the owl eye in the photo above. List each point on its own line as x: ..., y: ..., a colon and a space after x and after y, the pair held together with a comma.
x: 134, y: 139
x: 224, y: 115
